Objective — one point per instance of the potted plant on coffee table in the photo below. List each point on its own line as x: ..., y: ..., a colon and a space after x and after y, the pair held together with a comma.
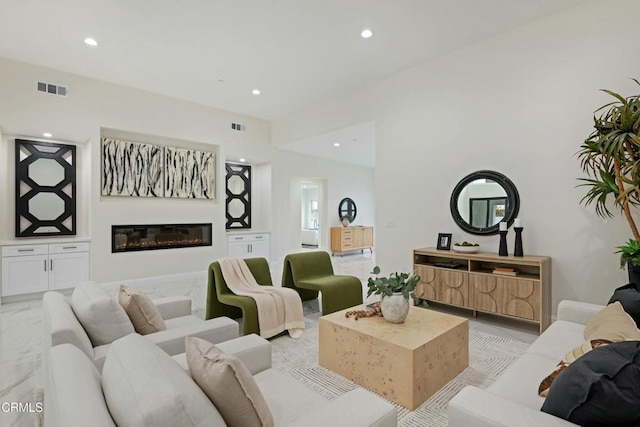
x: 395, y: 290
x: 610, y: 156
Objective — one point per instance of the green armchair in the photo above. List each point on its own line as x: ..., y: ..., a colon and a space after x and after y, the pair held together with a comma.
x: 312, y: 272
x: 222, y: 302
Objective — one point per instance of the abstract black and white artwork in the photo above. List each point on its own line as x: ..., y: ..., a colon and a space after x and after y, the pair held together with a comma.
x: 131, y: 169
x: 189, y: 173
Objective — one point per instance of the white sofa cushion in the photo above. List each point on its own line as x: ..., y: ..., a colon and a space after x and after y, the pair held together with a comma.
x: 61, y: 324
x: 142, y: 312
x: 559, y: 338
x: 288, y: 399
x: 228, y: 384
x: 358, y: 407
x: 101, y: 316
x: 473, y: 407
x: 520, y: 382
x: 73, y: 395
x: 182, y: 321
x: 143, y: 386
x: 214, y: 330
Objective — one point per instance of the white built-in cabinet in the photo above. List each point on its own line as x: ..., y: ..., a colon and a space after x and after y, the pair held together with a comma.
x: 42, y: 267
x: 255, y: 245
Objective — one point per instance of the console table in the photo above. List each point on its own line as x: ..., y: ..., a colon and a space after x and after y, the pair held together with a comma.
x: 345, y: 239
x: 473, y: 284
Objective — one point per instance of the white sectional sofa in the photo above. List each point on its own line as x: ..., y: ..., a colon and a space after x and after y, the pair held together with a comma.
x: 141, y: 385
x: 62, y: 326
x: 513, y: 401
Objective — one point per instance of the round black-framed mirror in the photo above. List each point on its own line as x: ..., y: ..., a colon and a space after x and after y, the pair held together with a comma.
x: 483, y: 199
x: 347, y: 208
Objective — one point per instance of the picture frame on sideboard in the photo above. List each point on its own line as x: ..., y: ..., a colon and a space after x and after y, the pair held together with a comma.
x: 444, y: 241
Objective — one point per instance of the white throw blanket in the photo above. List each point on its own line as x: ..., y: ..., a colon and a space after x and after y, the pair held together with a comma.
x: 279, y: 309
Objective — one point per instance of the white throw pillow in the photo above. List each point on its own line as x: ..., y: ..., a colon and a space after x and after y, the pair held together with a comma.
x: 144, y: 386
x: 101, y: 316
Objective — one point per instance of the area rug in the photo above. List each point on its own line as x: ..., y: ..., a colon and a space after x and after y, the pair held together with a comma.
x: 489, y: 356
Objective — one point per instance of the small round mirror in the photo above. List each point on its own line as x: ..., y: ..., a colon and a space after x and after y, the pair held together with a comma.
x: 483, y: 199
x: 347, y: 209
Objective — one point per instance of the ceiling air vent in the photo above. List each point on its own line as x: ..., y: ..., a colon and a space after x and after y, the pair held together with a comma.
x: 51, y: 88
x: 238, y: 127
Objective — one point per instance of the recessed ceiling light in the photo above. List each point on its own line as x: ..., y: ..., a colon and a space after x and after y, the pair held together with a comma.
x: 91, y: 42
x: 366, y: 33
x: 47, y: 135
x: 256, y: 91
x: 243, y: 160
x: 336, y: 144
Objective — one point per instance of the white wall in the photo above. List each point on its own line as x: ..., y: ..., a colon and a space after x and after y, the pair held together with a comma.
x: 520, y: 103
x: 261, y: 194
x: 94, y: 108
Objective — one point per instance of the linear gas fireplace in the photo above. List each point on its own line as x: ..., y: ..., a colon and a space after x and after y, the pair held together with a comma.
x: 126, y: 238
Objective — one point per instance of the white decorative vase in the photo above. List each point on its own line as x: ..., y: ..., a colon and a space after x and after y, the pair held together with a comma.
x: 345, y: 222
x: 395, y: 308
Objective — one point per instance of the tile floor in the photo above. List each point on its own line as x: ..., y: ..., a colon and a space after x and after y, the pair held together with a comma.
x: 21, y: 329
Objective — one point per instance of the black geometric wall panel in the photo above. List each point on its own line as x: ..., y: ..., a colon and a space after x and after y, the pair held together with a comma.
x: 45, y: 189
x: 238, y: 185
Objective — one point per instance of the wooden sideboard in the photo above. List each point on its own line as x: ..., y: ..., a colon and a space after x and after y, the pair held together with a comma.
x: 344, y: 239
x: 474, y: 285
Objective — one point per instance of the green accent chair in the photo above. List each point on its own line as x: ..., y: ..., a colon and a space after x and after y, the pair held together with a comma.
x: 222, y: 302
x: 312, y: 272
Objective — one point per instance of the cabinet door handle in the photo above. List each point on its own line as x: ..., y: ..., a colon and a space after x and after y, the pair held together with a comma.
x: 69, y: 247
x: 25, y: 250
x: 45, y: 265
x: 250, y: 248
x: 51, y: 265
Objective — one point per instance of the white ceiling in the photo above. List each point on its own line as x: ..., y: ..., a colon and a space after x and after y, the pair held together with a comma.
x: 357, y: 145
x: 214, y: 52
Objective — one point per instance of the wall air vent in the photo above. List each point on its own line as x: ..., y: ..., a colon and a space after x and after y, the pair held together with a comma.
x: 52, y: 89
x: 238, y: 127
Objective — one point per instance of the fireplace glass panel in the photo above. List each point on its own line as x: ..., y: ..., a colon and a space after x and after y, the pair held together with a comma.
x: 125, y: 238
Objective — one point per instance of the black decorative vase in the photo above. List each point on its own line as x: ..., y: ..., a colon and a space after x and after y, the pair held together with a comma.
x: 502, y: 251
x: 517, y: 251
x: 634, y: 273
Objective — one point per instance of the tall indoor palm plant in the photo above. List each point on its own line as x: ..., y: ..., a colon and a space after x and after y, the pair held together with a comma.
x: 610, y: 156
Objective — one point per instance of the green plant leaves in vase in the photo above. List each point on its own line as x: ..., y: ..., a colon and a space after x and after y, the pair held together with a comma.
x: 395, y: 282
x: 629, y: 253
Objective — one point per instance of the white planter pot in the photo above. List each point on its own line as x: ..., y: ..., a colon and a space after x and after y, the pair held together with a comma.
x: 345, y: 222
x: 395, y: 308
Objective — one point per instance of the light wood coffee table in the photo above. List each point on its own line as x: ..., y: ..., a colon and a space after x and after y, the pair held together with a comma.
x: 406, y: 363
